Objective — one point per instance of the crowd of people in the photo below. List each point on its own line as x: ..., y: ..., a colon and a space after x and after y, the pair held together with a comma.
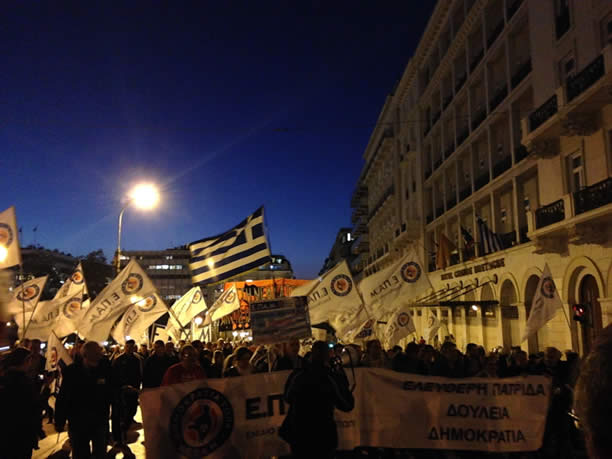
x: 104, y: 382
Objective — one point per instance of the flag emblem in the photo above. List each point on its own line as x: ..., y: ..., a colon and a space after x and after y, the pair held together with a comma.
x: 147, y: 304
x: 132, y: 284
x: 341, y: 285
x: 201, y: 422
x: 197, y: 297
x: 6, y: 235
x: 548, y: 287
x: 77, y: 277
x: 53, y: 358
x: 230, y: 297
x: 403, y: 319
x: 28, y: 293
x: 72, y: 306
x: 411, y: 272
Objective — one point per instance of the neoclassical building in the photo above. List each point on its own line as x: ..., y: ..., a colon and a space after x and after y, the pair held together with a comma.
x: 503, y: 116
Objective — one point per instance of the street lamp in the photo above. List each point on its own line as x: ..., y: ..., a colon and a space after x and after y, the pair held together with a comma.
x: 198, y: 320
x: 3, y: 253
x: 144, y: 196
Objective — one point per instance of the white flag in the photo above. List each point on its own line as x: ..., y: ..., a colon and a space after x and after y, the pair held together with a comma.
x: 348, y: 326
x: 399, y: 326
x: 10, y: 253
x: 184, y: 309
x: 74, y: 285
x: 405, y: 280
x: 544, y: 305
x: 26, y: 296
x: 39, y: 322
x: 331, y: 295
x: 56, y: 352
x: 159, y: 333
x: 227, y: 303
x: 71, y: 311
x: 129, y: 287
x: 433, y: 325
x: 138, y: 318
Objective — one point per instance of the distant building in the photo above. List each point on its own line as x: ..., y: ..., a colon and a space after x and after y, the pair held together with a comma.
x: 39, y: 261
x: 341, y: 250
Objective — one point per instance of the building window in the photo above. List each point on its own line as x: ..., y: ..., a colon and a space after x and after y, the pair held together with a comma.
x: 348, y: 237
x: 606, y: 31
x: 169, y: 257
x: 567, y: 68
x: 562, y: 17
x: 576, y: 172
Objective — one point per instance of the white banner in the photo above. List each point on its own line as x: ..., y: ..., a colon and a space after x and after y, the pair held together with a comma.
x: 227, y: 303
x: 331, y: 295
x: 240, y: 417
x: 10, y: 253
x: 399, y: 326
x: 137, y: 319
x: 56, y: 352
x: 74, y: 285
x: 71, y: 311
x: 26, y: 296
x: 544, y: 305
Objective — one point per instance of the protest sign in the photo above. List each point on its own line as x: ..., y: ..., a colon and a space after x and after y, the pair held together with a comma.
x: 282, y: 319
x: 240, y: 417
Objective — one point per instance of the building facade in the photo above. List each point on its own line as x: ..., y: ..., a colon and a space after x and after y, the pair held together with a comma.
x: 341, y: 250
x: 504, y: 116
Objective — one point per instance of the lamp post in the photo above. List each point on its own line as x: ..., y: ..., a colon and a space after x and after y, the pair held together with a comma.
x: 144, y: 197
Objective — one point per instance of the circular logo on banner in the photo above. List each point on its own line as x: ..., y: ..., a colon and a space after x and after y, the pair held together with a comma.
x: 28, y: 293
x: 411, y: 272
x: 6, y: 235
x: 341, y: 285
x: 147, y: 304
x: 201, y: 422
x: 231, y: 296
x: 132, y: 284
x: 548, y: 287
x: 77, y: 277
x: 197, y: 297
x: 72, y: 306
x: 403, y: 319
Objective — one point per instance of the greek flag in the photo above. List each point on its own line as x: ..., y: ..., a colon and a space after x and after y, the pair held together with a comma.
x: 490, y: 240
x: 236, y: 251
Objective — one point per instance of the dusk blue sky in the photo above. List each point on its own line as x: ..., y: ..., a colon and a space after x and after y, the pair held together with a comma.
x: 227, y: 105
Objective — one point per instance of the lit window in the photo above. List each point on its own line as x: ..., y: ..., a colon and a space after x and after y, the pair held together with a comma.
x: 168, y: 257
x: 576, y: 172
x: 348, y: 236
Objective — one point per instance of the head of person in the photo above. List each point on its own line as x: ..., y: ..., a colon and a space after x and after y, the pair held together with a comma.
x: 143, y: 349
x: 412, y: 350
x: 374, y: 349
x: 188, y: 356
x: 448, y: 351
x: 19, y: 359
x: 320, y: 353
x: 35, y: 346
x: 170, y: 347
x: 26, y: 344
x: 242, y: 357
x: 197, y: 344
x: 593, y: 396
x: 181, y: 343
x: 130, y: 346
x: 394, y: 351
x: 91, y: 353
x: 292, y: 348
x: 218, y: 358
x: 159, y: 348
x: 552, y: 355
x: 520, y: 358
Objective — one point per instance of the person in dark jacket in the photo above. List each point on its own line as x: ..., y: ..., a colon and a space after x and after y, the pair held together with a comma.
x: 84, y: 401
x: 20, y: 422
x: 156, y: 366
x: 313, y: 393
x: 126, y: 377
x: 291, y: 359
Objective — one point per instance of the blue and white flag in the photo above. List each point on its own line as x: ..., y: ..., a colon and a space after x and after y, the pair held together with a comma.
x: 490, y: 240
x: 236, y: 251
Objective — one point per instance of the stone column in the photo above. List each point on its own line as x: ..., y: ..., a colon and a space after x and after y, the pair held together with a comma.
x: 606, y: 311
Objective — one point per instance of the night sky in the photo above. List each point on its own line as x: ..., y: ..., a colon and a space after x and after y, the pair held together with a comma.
x: 226, y: 105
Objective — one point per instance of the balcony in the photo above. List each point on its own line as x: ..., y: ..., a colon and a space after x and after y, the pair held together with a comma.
x: 449, y: 151
x: 439, y: 210
x: 521, y: 72
x: 520, y: 153
x: 550, y: 214
x: 465, y: 193
x: 508, y: 239
x: 544, y: 112
x: 562, y: 23
x: 446, y: 102
x: 463, y: 134
x: 478, y: 118
x: 582, y: 81
x: 593, y: 197
x: 361, y: 227
x: 498, y: 97
x: 359, y: 211
x: 429, y: 218
x: 476, y: 60
x: 495, y: 32
x: 513, y: 7
x: 481, y: 181
x: 437, y: 163
x: 435, y: 118
x: 388, y: 192
x: 461, y: 79
x: 360, y: 195
x: 452, y: 202
x: 502, y: 166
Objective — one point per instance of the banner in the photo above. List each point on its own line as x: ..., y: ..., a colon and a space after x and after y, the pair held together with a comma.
x: 10, y: 254
x: 544, y: 305
x: 56, y: 352
x: 227, y: 303
x: 26, y: 295
x: 137, y: 319
x: 330, y: 295
x: 182, y: 309
x: 71, y: 311
x: 129, y: 287
x: 74, y: 285
x: 433, y: 325
x: 400, y: 326
x: 276, y: 321
x: 406, y: 279
x: 240, y: 417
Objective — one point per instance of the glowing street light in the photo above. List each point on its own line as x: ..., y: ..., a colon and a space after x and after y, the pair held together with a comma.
x: 198, y: 320
x: 144, y: 196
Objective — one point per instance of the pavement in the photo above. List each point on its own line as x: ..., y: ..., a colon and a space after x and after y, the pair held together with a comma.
x: 52, y: 443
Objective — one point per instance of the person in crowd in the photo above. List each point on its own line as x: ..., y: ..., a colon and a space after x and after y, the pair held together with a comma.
x: 155, y: 366
x: 171, y: 352
x: 205, y: 361
x: 84, y: 401
x: 473, y: 364
x: 126, y: 379
x: 144, y: 351
x: 216, y: 369
x: 427, y: 358
x: 20, y: 421
x: 313, y: 393
x: 519, y: 364
x: 37, y: 374
x: 186, y: 370
x: 374, y: 356
x: 291, y: 359
x: 407, y: 361
x: 449, y: 362
x: 391, y: 353
x: 241, y: 365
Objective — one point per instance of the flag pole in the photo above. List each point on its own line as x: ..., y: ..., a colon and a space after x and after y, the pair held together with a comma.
x: 25, y: 328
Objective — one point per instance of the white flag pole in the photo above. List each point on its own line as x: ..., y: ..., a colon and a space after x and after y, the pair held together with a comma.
x: 25, y: 328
